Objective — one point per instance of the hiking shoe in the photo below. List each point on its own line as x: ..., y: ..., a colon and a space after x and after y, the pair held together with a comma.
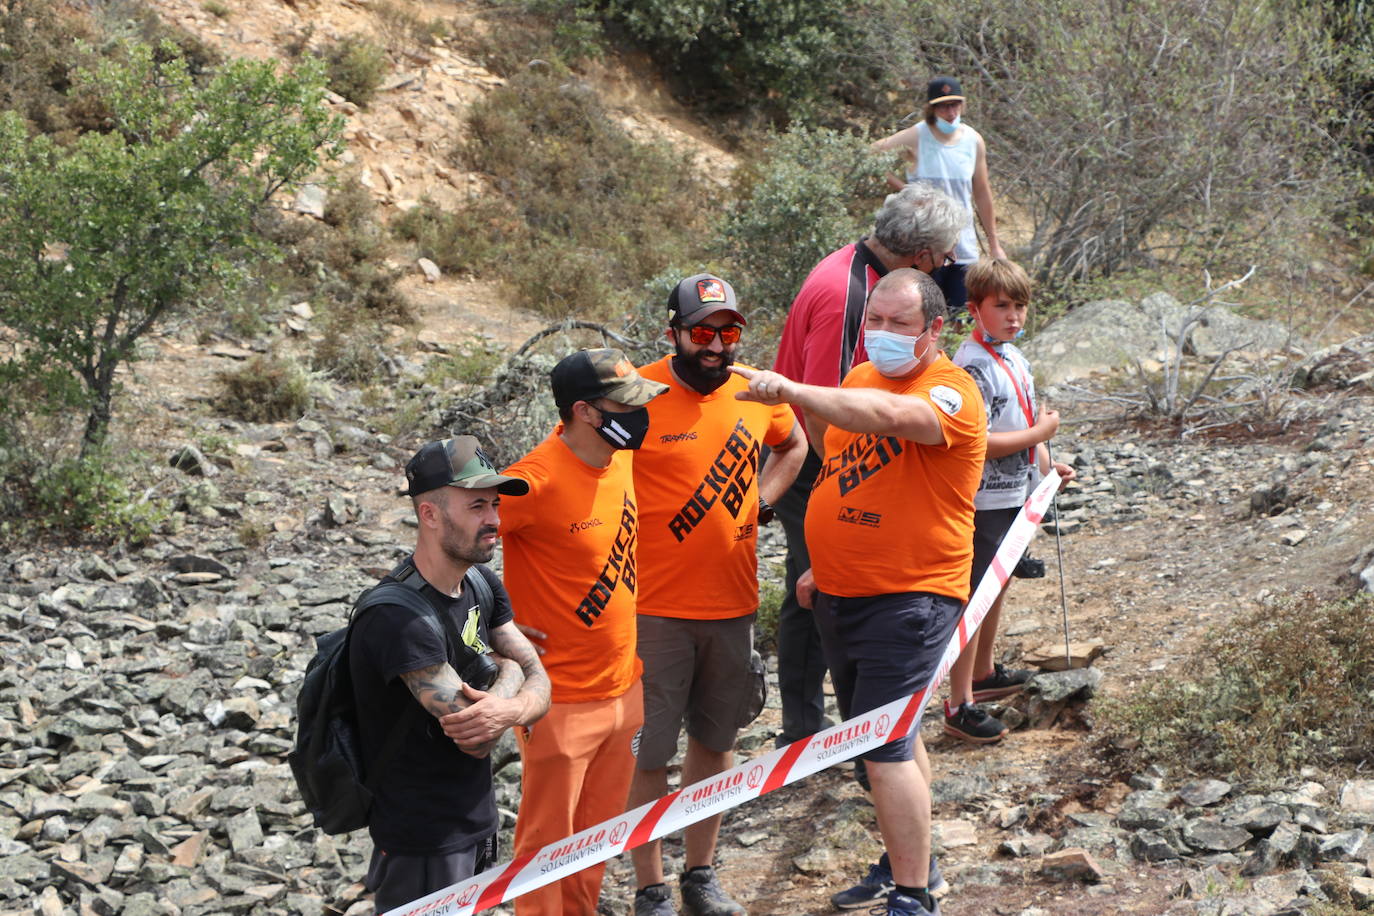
x: 1003, y: 682
x: 971, y: 724
x: 875, y: 886
x: 878, y: 883
x: 702, y: 894
x: 902, y: 905
x: 654, y: 900
x: 936, y: 885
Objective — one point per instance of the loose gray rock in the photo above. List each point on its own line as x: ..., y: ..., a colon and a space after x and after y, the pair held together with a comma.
x: 1054, y: 686
x: 1204, y: 792
x: 1211, y: 835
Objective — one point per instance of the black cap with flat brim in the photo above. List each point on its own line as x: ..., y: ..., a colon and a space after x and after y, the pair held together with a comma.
x: 944, y: 89
x: 457, y: 462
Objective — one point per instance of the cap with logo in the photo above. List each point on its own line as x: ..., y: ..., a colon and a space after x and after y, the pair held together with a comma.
x: 602, y: 373
x: 698, y: 296
x: 457, y: 462
x: 944, y: 89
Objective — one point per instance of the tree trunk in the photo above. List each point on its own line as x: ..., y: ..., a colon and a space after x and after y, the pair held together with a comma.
x: 97, y: 421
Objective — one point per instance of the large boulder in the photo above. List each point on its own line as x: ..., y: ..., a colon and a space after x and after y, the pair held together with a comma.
x: 1110, y: 334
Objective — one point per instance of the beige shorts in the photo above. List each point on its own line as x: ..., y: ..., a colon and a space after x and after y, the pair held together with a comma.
x: 697, y: 671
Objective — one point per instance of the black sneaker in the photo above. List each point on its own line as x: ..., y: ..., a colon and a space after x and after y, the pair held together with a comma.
x: 654, y: 900
x: 971, y: 724
x: 702, y: 894
x: 875, y: 886
x: 902, y: 905
x: 1003, y: 682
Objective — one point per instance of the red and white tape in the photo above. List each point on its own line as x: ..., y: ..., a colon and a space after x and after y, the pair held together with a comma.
x: 749, y: 780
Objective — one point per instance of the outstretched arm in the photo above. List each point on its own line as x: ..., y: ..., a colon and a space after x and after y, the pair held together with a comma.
x: 859, y: 410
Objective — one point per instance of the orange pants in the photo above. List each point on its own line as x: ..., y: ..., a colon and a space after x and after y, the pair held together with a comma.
x: 576, y: 770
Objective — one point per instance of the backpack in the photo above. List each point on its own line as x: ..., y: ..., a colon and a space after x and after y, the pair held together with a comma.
x: 328, y: 760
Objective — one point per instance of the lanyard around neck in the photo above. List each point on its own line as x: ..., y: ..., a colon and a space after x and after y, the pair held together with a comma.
x: 1021, y: 397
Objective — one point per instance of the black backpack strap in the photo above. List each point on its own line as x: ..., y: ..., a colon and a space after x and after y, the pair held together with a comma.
x: 407, y: 596
x: 486, y: 600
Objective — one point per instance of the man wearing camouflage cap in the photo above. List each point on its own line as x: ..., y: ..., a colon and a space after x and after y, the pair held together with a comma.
x: 570, y: 561
x: 433, y: 819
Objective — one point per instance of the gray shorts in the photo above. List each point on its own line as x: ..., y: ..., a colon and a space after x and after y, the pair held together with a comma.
x: 697, y: 670
x: 883, y: 648
x: 397, y: 880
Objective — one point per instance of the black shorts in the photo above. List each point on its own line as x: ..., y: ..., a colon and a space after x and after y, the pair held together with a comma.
x: 397, y: 880
x: 989, y: 527
x: 883, y: 648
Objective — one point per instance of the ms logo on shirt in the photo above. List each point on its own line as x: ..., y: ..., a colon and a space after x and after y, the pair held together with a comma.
x: 727, y: 481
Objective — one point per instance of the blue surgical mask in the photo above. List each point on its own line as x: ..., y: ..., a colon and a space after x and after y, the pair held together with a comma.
x: 893, y: 355
x: 948, y: 127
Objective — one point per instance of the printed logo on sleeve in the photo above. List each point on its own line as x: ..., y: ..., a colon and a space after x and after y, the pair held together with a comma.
x: 947, y: 399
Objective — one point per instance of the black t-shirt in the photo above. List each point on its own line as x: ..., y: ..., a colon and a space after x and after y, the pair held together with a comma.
x: 433, y: 798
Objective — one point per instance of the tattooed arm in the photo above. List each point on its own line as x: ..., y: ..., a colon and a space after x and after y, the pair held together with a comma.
x: 440, y: 691
x: 520, y: 695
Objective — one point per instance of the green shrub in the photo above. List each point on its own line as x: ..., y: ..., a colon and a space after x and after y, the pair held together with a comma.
x: 216, y: 9
x: 561, y: 33
x: 88, y: 499
x: 783, y: 57
x: 343, y: 260
x: 355, y: 68
x: 598, y: 211
x: 810, y: 192
x: 350, y: 349
x: 771, y: 595
x: 1278, y: 688
x: 264, y: 389
x: 466, y: 240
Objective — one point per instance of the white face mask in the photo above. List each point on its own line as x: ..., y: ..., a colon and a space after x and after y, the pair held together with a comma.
x: 892, y: 354
x: 948, y: 127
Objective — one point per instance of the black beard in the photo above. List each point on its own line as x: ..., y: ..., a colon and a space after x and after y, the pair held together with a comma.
x: 702, y: 379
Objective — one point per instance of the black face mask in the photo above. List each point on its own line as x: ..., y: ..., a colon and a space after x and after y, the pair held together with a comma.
x: 699, y: 378
x: 624, y: 430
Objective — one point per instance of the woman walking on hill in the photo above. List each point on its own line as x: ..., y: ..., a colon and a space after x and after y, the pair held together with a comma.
x: 951, y: 154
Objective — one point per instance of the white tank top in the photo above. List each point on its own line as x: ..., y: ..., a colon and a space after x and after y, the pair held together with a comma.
x: 950, y: 168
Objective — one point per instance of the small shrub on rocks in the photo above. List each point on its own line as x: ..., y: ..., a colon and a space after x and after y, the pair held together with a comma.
x: 264, y: 389
x: 356, y: 67
x: 1280, y: 687
x: 83, y: 499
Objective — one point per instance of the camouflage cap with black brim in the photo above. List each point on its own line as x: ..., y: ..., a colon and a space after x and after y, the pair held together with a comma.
x: 457, y: 462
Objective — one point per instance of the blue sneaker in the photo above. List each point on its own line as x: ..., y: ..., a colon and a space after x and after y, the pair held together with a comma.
x: 902, y: 905
x: 878, y: 883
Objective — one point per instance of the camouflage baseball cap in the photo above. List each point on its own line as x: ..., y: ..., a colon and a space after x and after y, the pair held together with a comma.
x: 457, y: 462
x: 604, y: 373
x: 698, y: 296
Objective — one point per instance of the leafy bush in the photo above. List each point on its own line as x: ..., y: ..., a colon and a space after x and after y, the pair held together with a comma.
x: 350, y: 348
x: 781, y: 57
x: 598, y: 211
x: 342, y: 260
x: 264, y: 389
x: 356, y: 67
x: 810, y: 192
x: 561, y: 33
x: 466, y: 240
x: 104, y: 238
x: 86, y: 499
x: 1278, y: 688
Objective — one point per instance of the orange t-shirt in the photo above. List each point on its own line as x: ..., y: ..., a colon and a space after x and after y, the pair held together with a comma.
x: 570, y: 568
x: 697, y: 480
x: 888, y: 515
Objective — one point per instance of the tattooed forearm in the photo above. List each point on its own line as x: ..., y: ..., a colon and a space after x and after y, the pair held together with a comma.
x: 437, y: 688
x: 508, y: 641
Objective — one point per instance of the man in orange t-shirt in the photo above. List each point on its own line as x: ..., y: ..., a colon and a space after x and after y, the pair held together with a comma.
x: 890, y: 531
x: 570, y: 568
x: 700, y: 488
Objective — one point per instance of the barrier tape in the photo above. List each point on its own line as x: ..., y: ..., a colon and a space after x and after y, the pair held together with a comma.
x: 755, y: 777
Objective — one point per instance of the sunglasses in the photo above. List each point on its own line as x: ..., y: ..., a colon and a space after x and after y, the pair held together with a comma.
x: 947, y: 260
x: 703, y: 334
